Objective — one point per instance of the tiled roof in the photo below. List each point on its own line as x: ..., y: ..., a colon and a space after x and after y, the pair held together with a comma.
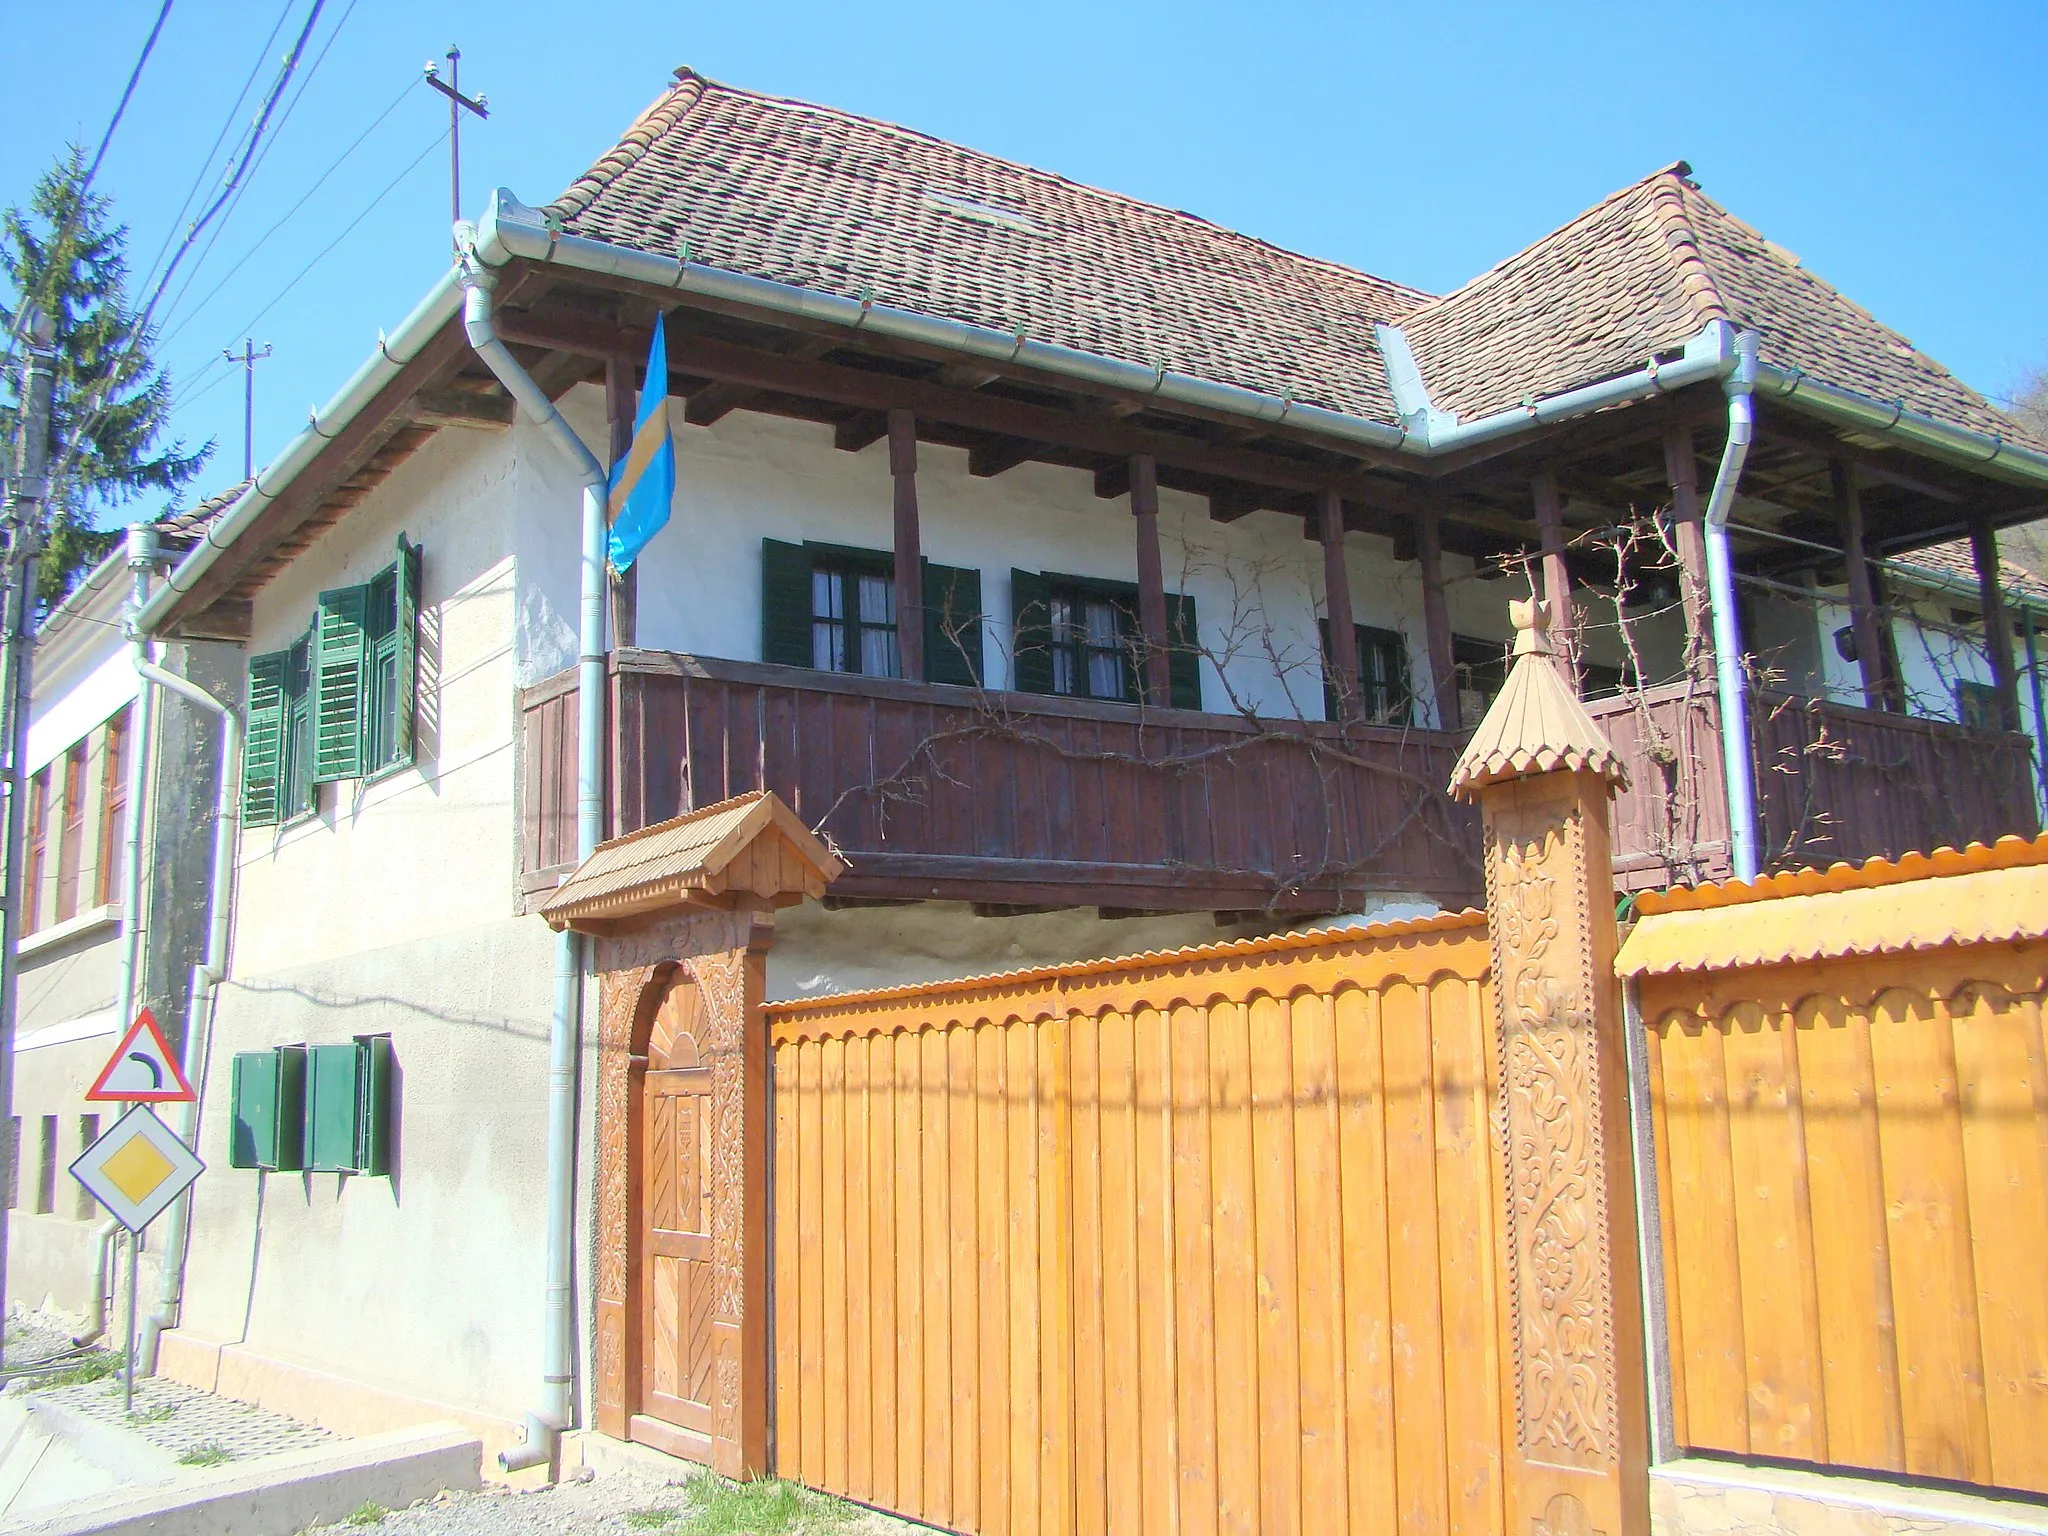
x: 847, y: 205
x: 195, y: 519
x: 1637, y: 275
x: 827, y: 200
x: 1955, y: 561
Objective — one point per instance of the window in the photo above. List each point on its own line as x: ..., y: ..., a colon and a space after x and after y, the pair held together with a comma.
x: 38, y: 852
x: 1384, y: 696
x: 1482, y: 668
x: 338, y: 704
x: 113, y: 811
x: 834, y: 609
x: 1977, y: 706
x: 1080, y: 637
x: 71, y: 835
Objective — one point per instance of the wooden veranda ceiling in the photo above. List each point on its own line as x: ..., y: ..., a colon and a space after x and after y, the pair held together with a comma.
x: 565, y: 328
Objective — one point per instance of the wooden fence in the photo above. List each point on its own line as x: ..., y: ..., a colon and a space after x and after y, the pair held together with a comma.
x: 1852, y: 1159
x: 1198, y: 1242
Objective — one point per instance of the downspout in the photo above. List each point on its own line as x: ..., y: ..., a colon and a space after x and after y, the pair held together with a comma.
x: 544, y: 1428
x: 142, y: 552
x: 1728, y: 679
x: 2034, y: 687
x: 207, y: 975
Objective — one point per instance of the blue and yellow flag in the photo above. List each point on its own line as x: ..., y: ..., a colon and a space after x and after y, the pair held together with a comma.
x: 644, y: 482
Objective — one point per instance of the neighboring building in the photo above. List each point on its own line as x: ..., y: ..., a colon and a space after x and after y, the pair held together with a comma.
x: 1013, y: 522
x: 81, y: 738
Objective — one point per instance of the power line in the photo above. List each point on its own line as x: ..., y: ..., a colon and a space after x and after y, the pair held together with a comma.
x: 96, y: 409
x: 14, y: 331
x: 389, y: 188
x: 261, y: 160
x: 307, y: 197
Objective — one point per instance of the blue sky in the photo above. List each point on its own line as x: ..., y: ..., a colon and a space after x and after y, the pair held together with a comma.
x: 1900, y: 150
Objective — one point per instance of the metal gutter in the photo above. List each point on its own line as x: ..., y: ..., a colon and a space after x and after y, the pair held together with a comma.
x: 1891, y: 420
x: 441, y: 305
x: 1729, y: 683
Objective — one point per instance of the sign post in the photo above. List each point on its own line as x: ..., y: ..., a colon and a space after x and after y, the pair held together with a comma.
x: 140, y: 1166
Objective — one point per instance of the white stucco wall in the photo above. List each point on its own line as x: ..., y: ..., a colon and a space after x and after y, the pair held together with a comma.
x: 1257, y: 582
x: 396, y: 909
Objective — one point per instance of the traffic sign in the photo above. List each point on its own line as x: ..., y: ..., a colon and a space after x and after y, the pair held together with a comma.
x: 142, y: 1069
x: 137, y: 1168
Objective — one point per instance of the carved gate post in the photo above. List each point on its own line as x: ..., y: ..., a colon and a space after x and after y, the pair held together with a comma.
x: 693, y: 898
x: 1577, y: 1432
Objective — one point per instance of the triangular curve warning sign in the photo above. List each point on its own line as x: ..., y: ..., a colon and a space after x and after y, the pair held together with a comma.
x: 142, y: 1069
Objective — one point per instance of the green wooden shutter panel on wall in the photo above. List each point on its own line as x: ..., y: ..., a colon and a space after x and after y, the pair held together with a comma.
x: 267, y: 1107
x: 1184, y: 660
x: 408, y: 653
x: 298, y: 794
x: 1030, y: 633
x: 952, y: 625
x: 263, y: 739
x: 340, y: 654
x: 785, y: 604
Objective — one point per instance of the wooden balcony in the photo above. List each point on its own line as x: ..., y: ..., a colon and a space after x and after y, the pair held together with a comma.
x: 1018, y: 801
x: 1015, y: 800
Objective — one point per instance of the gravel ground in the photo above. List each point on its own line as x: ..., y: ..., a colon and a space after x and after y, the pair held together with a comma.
x: 606, y: 1505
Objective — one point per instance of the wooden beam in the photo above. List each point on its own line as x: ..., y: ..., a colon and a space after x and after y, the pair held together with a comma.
x: 1341, y: 651
x: 1113, y: 481
x: 1865, y: 619
x: 965, y: 376
x: 1557, y: 581
x: 620, y: 407
x: 1436, y: 622
x: 909, y: 561
x: 718, y: 399
x: 859, y: 430
x: 1997, y: 622
x: 1144, y: 478
x: 231, y: 618
x: 1228, y: 503
x: 998, y: 456
x: 1689, y: 533
x: 460, y: 408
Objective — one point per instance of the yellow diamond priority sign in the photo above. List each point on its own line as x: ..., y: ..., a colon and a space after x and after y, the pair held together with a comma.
x: 137, y: 1168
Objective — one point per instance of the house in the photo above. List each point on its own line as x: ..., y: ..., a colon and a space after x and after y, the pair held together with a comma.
x: 1087, y: 576
x: 75, y: 989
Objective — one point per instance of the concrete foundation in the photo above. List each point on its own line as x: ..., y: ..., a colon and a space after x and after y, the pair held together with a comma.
x: 1711, y: 1498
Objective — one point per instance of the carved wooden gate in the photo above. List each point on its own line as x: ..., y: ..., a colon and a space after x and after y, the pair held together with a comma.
x: 674, y: 1284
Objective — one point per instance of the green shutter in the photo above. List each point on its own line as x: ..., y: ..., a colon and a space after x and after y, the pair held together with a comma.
x: 266, y: 1108
x: 407, y: 700
x: 333, y: 1089
x: 1184, y: 660
x: 298, y: 794
x: 1030, y: 633
x: 263, y: 739
x: 785, y: 604
x: 374, y: 1072
x: 952, y: 625
x: 339, y: 667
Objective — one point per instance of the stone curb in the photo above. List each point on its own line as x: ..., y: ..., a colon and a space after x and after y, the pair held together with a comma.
x: 278, y: 1495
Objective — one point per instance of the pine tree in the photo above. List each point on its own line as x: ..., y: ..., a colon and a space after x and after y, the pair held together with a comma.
x: 111, y: 399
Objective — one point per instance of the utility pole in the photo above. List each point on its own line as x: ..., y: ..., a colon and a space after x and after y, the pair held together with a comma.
x: 28, y: 495
x: 248, y: 357
x: 457, y: 105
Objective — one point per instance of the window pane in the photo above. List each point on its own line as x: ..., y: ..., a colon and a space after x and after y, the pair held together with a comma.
x: 1060, y: 622
x: 877, y: 600
x: 878, y: 653
x: 1105, y: 655
x: 828, y: 615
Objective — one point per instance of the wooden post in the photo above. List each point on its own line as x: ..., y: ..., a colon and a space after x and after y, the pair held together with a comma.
x: 1343, y: 647
x: 1436, y: 621
x: 1997, y: 623
x: 1866, y: 621
x: 619, y: 411
x: 1151, y: 579
x: 909, y: 558
x: 1681, y: 473
x: 1576, y: 1457
x: 1557, y: 581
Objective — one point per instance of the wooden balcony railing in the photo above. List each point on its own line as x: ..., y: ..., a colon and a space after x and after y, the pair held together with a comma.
x: 1023, y: 801
x: 1010, y: 799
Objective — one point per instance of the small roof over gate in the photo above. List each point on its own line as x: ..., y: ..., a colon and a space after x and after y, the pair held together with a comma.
x: 752, y: 845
